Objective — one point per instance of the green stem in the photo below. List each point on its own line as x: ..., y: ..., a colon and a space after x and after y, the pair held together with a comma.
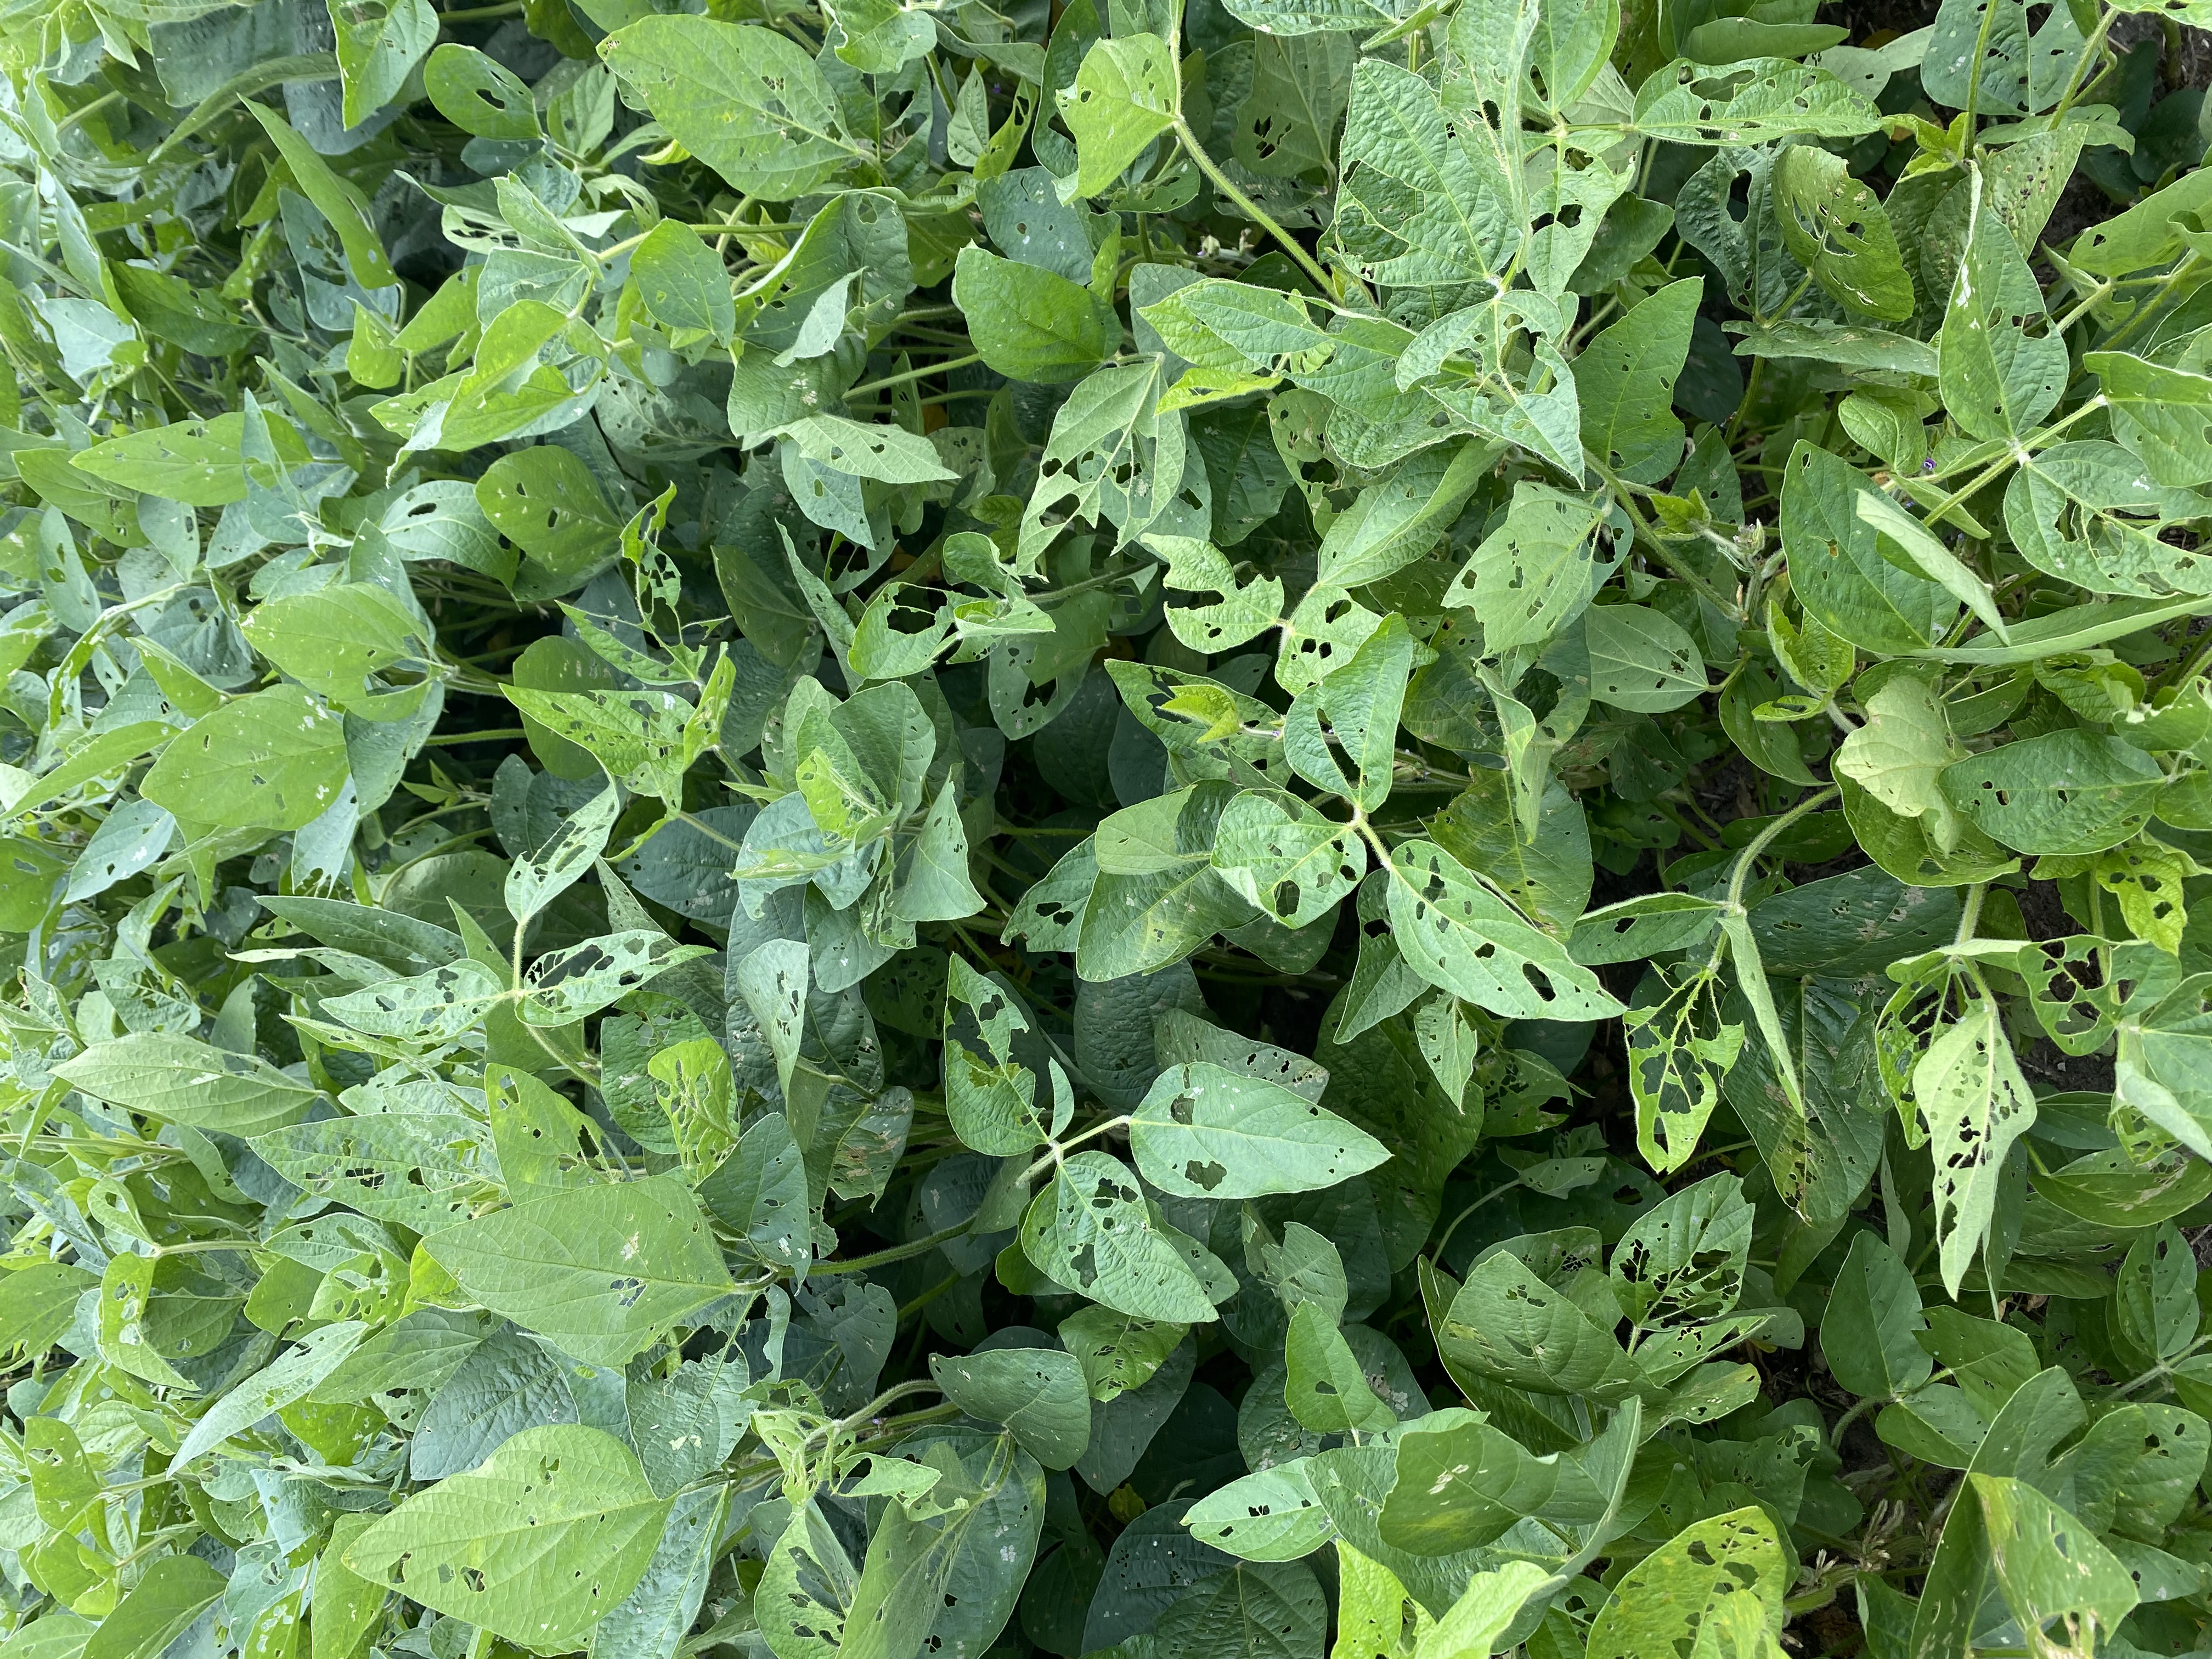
x: 913, y: 1247
x: 917, y: 374
x: 1649, y: 534
x: 1438, y: 1254
x: 1765, y: 837
x: 1248, y: 207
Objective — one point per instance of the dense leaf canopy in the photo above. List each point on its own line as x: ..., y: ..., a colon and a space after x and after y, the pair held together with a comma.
x: 1181, y: 829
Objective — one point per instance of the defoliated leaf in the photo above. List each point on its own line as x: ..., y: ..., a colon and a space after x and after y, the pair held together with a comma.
x: 1836, y: 228
x: 1683, y: 1260
x: 2004, y: 365
x: 1286, y: 858
x: 2050, y: 1567
x: 275, y: 760
x: 745, y: 100
x: 759, y: 1192
x: 1642, y: 659
x: 538, y: 1545
x: 887, y: 454
x: 427, y: 1008
x: 1039, y: 1394
x: 2066, y: 791
x: 347, y: 1607
x: 599, y: 1270
x: 1749, y: 102
x: 805, y: 1589
x: 1533, y: 575
x: 1123, y: 98
x: 1460, y: 936
x: 1460, y: 1483
x: 1426, y: 202
x: 377, y: 43
x: 479, y: 94
x: 1508, y: 1324
x: 1093, y: 1231
x: 184, y: 1080
x: 1206, y: 1132
x: 1676, y: 1589
x: 1323, y: 1384
x: 546, y: 501
x: 1270, y: 1516
x: 1976, y: 1104
x: 1626, y: 380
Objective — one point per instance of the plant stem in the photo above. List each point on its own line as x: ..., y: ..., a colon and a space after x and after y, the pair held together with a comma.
x: 922, y: 373
x: 913, y: 1247
x: 1248, y: 207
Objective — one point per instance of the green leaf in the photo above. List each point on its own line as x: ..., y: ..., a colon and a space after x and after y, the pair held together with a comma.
x: 743, y: 99
x: 339, y: 200
x: 682, y: 283
x: 546, y: 501
x: 2158, y: 412
x: 292, y: 1376
x: 1868, y: 1330
x: 1836, y: 565
x: 378, y: 45
x: 1898, y: 756
x: 598, y: 1270
x: 1039, y: 1394
x: 185, y: 1081
x: 538, y: 1545
x: 1032, y: 324
x: 2156, y: 1298
x: 198, y: 462
x: 338, y: 642
x: 160, y: 1608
